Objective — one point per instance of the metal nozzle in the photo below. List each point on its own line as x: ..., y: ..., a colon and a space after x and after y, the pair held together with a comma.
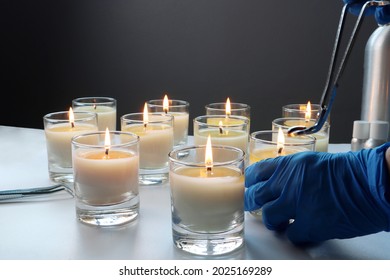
x: 327, y: 97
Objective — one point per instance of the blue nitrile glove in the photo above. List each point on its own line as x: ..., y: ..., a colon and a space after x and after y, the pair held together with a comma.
x: 339, y: 195
x: 382, y: 14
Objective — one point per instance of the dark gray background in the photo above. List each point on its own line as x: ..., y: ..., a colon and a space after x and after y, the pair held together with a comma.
x: 264, y: 53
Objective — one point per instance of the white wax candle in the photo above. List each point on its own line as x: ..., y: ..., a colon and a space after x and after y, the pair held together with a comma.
x: 207, y: 201
x: 258, y: 154
x: 322, y: 137
x: 58, y: 141
x: 234, y: 138
x: 180, y: 126
x: 102, y: 179
x: 106, y: 115
x: 155, y: 143
x: 225, y: 121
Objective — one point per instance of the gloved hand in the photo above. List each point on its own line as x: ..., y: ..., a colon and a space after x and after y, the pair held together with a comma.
x: 382, y: 14
x: 339, y: 195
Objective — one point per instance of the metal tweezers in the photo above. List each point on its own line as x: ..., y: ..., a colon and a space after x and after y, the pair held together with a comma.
x: 329, y: 92
x: 33, y: 192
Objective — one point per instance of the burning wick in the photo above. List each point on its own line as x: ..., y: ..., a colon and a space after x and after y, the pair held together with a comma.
x: 228, y: 108
x: 308, y: 112
x: 146, y: 115
x: 209, y: 155
x: 166, y: 104
x: 71, y: 117
x: 107, y: 141
x: 220, y: 127
x: 280, y: 142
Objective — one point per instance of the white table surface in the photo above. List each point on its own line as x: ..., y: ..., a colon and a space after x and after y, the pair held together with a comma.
x: 48, y: 229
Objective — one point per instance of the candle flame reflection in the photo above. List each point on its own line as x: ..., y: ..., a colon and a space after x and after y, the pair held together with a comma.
x: 209, y: 155
x: 280, y: 141
x: 166, y: 104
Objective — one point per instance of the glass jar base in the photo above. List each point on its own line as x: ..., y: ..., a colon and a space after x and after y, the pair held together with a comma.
x: 61, y: 177
x: 153, y: 179
x: 111, y: 215
x: 209, y: 244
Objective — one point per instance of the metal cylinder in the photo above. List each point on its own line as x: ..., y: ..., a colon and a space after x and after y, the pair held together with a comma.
x: 376, y: 81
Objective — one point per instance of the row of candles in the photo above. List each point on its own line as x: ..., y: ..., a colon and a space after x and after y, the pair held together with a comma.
x: 107, y: 166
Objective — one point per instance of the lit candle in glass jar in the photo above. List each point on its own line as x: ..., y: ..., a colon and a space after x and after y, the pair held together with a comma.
x: 105, y: 167
x: 179, y: 109
x: 156, y: 141
x: 232, y: 131
x: 207, y: 198
x: 104, y: 107
x: 60, y: 127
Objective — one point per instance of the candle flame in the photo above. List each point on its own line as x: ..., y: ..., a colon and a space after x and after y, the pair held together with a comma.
x: 166, y: 104
x: 209, y: 155
x: 280, y: 141
x: 71, y: 117
x: 146, y: 115
x: 308, y: 112
x: 228, y: 108
x: 107, y: 141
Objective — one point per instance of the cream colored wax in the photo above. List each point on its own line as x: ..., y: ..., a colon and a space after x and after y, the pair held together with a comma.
x: 207, y: 201
x: 155, y: 142
x: 104, y: 179
x: 234, y: 138
x: 106, y: 116
x: 271, y: 152
x: 58, y: 142
x: 322, y: 138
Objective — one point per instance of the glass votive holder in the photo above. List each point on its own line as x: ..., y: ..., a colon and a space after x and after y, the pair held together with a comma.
x: 300, y: 111
x: 156, y: 141
x: 229, y: 131
x: 207, y: 204
x: 236, y: 109
x: 322, y: 136
x: 105, y: 167
x: 179, y: 109
x: 264, y: 144
x: 59, y: 128
x: 104, y: 107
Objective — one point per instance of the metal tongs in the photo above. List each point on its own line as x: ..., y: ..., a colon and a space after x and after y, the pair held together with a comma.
x: 329, y: 92
x: 33, y: 192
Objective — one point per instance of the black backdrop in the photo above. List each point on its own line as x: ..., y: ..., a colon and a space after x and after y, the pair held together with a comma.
x: 264, y: 53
